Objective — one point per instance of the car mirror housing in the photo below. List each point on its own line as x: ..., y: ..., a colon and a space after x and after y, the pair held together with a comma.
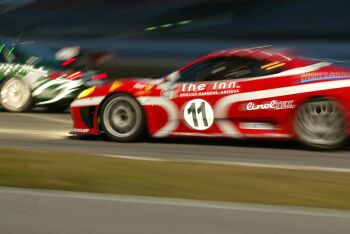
x: 173, y: 77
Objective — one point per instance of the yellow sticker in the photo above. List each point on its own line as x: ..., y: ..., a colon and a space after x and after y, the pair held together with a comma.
x: 86, y: 92
x: 115, y: 85
x: 148, y: 87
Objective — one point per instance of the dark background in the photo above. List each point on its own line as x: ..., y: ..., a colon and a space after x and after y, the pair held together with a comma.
x: 151, y: 37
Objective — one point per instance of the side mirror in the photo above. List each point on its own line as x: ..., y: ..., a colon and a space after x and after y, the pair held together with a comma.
x: 173, y: 77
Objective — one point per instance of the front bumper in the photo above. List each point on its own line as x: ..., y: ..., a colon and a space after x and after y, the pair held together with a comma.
x: 85, y: 120
x: 84, y: 113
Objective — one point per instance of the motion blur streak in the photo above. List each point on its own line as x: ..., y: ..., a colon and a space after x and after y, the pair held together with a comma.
x: 151, y: 38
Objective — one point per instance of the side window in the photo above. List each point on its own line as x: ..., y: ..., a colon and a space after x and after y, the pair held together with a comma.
x: 240, y: 67
x: 195, y: 72
x: 227, y: 68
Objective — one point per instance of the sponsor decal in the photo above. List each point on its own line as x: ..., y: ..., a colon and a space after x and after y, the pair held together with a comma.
x: 145, y: 87
x: 320, y: 76
x: 208, y: 93
x: 80, y: 130
x: 271, y: 105
x: 208, y: 89
x: 191, y: 87
x: 198, y: 114
x: 169, y: 93
x: 20, y: 68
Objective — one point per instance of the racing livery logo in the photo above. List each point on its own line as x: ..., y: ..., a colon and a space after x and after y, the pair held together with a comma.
x: 208, y: 89
x: 198, y: 114
x: 271, y: 105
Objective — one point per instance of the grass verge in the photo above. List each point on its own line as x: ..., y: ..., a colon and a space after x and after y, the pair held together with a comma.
x: 89, y: 173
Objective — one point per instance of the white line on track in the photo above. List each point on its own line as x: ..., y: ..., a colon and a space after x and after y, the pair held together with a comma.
x: 262, y: 165
x: 180, y: 202
x: 35, y: 132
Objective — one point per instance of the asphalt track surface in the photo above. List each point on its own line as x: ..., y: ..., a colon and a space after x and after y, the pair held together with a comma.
x: 32, y: 211
x: 43, y: 131
x: 36, y: 212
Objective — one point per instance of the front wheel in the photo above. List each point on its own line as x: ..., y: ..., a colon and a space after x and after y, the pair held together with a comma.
x: 321, y: 124
x: 122, y: 118
x: 15, y: 95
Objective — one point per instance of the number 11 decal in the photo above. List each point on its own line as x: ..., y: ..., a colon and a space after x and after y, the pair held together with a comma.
x: 198, y: 114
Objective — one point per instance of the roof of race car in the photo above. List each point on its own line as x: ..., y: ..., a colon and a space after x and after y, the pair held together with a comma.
x: 260, y: 53
x: 263, y: 52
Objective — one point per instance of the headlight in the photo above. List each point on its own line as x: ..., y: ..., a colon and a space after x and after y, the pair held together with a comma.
x: 86, y: 92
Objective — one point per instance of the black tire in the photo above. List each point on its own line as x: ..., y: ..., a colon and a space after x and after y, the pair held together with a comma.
x: 17, y: 100
x: 128, y: 123
x: 320, y: 124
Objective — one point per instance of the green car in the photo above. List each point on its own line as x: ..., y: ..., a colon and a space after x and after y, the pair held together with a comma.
x: 28, y: 81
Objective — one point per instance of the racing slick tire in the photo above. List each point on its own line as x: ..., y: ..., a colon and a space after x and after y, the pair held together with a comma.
x: 122, y: 118
x: 15, y: 95
x: 320, y: 124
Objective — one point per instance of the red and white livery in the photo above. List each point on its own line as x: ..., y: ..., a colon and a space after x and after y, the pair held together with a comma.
x: 243, y: 93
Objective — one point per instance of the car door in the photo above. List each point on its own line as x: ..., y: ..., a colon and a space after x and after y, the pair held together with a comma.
x: 197, y: 91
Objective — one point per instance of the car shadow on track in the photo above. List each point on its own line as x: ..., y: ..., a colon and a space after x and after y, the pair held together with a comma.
x: 249, y: 143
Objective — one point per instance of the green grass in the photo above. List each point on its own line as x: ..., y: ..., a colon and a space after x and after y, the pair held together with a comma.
x: 80, y: 172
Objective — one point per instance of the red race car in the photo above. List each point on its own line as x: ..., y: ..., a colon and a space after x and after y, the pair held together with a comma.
x: 237, y: 93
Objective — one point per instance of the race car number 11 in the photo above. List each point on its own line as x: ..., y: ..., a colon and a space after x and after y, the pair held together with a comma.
x: 198, y: 114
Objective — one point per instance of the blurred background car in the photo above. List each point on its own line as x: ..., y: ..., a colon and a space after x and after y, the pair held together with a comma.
x: 28, y: 79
